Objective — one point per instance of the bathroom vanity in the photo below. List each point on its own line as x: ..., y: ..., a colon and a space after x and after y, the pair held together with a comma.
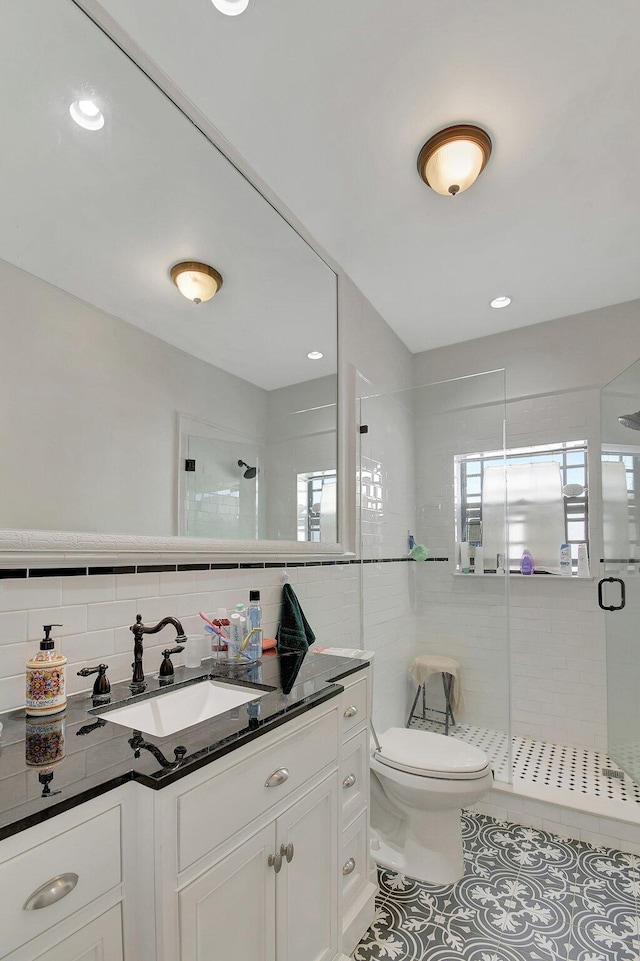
x: 254, y: 840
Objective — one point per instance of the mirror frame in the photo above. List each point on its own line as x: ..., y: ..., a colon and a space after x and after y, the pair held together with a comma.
x: 24, y: 544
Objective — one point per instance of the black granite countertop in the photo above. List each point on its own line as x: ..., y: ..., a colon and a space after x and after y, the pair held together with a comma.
x: 48, y: 765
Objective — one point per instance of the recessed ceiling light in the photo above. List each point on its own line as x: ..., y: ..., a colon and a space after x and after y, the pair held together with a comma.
x: 231, y: 8
x: 87, y: 114
x: 499, y: 302
x: 315, y: 355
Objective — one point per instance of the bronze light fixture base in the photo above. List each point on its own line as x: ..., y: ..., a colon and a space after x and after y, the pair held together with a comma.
x: 475, y: 137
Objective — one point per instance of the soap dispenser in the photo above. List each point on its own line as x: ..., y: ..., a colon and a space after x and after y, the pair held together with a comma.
x: 45, y: 678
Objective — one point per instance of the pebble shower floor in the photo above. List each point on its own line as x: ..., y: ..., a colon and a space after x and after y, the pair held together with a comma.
x: 526, y: 895
x: 542, y: 762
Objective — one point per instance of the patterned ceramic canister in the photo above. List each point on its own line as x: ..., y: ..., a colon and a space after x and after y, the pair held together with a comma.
x: 45, y: 684
x: 44, y: 740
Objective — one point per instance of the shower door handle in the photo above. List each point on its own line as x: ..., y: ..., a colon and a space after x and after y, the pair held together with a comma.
x: 623, y: 594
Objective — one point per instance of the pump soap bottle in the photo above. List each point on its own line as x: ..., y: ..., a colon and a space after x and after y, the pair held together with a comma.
x: 45, y: 678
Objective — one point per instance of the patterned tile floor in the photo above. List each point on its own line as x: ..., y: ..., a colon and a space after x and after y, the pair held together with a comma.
x: 526, y: 895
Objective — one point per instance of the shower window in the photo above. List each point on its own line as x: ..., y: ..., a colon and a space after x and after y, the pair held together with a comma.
x: 547, y: 500
x: 621, y: 513
x: 316, y: 504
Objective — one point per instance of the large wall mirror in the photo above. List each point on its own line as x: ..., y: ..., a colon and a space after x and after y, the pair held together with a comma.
x: 129, y: 413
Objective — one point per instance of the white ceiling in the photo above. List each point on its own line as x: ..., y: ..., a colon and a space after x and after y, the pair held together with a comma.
x: 104, y: 215
x: 330, y: 101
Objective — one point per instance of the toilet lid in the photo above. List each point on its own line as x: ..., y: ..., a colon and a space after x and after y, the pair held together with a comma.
x: 427, y: 754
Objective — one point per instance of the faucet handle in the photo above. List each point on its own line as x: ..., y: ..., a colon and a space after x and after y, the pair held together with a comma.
x: 101, y: 686
x: 166, y: 668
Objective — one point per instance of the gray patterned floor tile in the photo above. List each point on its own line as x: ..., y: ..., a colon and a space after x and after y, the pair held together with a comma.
x: 527, y: 895
x: 615, y: 935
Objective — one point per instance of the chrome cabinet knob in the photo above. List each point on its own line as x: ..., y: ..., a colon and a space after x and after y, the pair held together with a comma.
x: 275, y: 861
x: 351, y: 711
x: 349, y: 866
x: 349, y: 781
x: 278, y: 777
x: 51, y: 891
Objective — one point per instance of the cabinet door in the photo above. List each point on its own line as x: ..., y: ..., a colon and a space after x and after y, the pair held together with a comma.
x: 100, y: 940
x: 229, y: 912
x: 306, y: 893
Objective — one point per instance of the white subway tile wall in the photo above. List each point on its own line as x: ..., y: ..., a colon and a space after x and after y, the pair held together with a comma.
x: 556, y: 634
x: 98, y: 630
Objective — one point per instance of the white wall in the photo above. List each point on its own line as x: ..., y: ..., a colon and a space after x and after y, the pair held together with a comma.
x: 96, y: 611
x: 89, y: 414
x: 553, y: 375
x: 383, y: 364
x: 301, y: 437
x: 457, y: 617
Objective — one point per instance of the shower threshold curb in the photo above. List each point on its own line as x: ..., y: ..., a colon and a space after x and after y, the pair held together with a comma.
x: 595, y: 820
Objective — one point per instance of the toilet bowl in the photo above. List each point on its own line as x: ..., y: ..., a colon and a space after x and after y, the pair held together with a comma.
x: 419, y: 783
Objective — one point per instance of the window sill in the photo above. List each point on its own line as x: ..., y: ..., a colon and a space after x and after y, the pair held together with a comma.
x: 533, y: 577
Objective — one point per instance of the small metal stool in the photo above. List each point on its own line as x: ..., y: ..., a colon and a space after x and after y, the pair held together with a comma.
x: 448, y: 668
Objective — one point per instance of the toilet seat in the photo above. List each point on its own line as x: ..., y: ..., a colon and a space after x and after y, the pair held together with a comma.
x: 430, y: 755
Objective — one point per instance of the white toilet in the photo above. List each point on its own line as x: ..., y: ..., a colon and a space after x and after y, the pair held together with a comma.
x: 419, y: 783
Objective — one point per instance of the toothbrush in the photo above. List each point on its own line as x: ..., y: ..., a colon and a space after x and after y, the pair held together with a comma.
x: 213, y: 624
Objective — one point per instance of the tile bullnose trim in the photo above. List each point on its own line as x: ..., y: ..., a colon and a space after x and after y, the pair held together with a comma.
x: 95, y: 570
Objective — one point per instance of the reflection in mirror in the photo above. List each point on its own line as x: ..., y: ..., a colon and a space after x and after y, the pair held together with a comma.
x: 126, y: 407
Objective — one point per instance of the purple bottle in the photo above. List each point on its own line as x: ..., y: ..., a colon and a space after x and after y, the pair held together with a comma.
x: 526, y: 563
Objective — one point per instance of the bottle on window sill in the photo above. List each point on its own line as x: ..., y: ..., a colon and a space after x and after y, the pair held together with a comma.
x: 526, y: 563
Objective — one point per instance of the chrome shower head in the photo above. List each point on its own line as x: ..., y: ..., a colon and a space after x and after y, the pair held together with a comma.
x: 630, y: 420
x: 250, y: 472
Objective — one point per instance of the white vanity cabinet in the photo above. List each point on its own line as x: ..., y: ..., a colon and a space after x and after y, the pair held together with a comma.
x: 261, y: 855
x: 357, y: 873
x: 250, y: 850
x: 250, y: 911
x: 62, y: 885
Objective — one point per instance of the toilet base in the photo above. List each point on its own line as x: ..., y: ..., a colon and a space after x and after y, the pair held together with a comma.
x: 431, y: 849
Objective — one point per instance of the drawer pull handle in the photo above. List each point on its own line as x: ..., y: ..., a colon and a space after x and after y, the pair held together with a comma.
x: 349, y: 866
x: 278, y: 777
x: 286, y: 851
x: 275, y: 862
x: 349, y: 781
x: 351, y: 711
x: 51, y: 891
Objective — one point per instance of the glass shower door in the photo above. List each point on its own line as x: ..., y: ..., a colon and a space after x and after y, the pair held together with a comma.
x: 619, y: 587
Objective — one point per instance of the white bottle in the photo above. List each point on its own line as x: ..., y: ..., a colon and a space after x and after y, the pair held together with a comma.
x: 583, y: 561
x: 565, y: 560
x: 236, y: 635
x: 478, y: 561
x: 464, y: 557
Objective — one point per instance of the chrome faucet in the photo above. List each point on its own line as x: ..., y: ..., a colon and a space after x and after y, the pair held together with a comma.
x: 138, y: 684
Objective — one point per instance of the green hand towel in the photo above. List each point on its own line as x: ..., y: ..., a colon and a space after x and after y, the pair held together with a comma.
x: 294, y: 631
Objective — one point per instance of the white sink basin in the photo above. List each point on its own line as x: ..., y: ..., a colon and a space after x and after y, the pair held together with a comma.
x: 167, y: 713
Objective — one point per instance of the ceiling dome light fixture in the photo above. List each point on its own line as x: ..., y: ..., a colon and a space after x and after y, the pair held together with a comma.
x: 499, y: 302
x: 195, y: 281
x: 315, y: 355
x: 454, y: 158
x: 87, y: 114
x: 231, y: 8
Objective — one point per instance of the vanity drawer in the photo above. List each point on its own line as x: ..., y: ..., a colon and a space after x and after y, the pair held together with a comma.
x: 354, y: 774
x: 354, y: 703
x: 354, y: 859
x: 213, y: 811
x: 76, y: 866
